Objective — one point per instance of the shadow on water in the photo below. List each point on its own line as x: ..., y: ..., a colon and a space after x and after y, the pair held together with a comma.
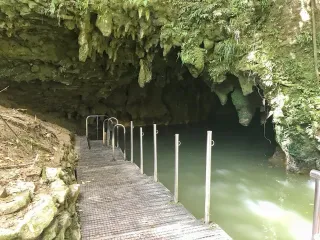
x: 250, y: 199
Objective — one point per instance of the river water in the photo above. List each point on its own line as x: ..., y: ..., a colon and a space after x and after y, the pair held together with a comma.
x: 250, y: 199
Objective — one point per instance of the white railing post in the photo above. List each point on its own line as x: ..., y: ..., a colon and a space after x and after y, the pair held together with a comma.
x: 104, y: 134
x: 176, y: 169
x: 110, y: 125
x: 108, y: 133
x: 113, y: 146
x: 210, y: 143
x: 124, y: 144
x: 141, y: 150
x: 131, y: 140
x: 87, y: 132
x: 316, y: 212
x: 117, y: 136
x: 97, y: 127
x: 87, y: 127
x: 124, y: 140
x: 155, y: 132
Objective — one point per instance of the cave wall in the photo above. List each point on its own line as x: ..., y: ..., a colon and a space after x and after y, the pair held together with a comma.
x: 179, y: 101
x: 126, y: 58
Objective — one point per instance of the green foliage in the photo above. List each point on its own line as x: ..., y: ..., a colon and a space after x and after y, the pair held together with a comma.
x: 265, y: 3
x: 216, y: 37
x: 240, y: 5
x: 211, y: 12
x: 227, y: 50
x: 243, y: 6
x: 304, y: 38
x: 194, y: 59
x: 145, y: 73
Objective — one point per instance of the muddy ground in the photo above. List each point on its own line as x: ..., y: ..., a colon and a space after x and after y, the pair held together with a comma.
x: 27, y: 144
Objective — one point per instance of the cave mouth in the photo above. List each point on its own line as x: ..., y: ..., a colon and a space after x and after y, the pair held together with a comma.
x: 173, y: 96
x: 190, y: 102
x: 224, y: 119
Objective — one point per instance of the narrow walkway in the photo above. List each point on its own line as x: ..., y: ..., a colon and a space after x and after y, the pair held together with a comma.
x: 117, y: 202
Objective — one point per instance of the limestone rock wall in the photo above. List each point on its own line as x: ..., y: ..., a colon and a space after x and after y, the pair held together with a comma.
x: 38, y: 188
x: 46, y: 214
x: 89, y: 56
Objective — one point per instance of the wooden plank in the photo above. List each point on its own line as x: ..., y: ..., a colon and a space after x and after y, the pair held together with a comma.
x: 117, y: 202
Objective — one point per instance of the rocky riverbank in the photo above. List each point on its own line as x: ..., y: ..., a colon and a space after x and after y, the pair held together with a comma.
x: 38, y: 188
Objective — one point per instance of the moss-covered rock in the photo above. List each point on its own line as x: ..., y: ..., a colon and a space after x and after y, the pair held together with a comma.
x: 8, y: 234
x: 194, y: 60
x: 245, y: 107
x: 14, y: 203
x: 83, y: 57
x: 59, y: 191
x: 38, y: 218
x: 51, y: 231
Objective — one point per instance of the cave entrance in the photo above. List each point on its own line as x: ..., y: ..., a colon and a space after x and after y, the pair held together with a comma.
x: 234, y: 112
x: 244, y: 141
x: 237, y: 116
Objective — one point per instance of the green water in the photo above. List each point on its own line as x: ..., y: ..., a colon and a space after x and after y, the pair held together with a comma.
x: 250, y: 199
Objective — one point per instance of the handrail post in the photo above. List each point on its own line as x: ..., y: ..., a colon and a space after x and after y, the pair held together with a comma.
x: 87, y: 127
x: 176, y: 169
x: 108, y: 133
x: 316, y: 212
x: 97, y: 127
x: 141, y: 150
x: 155, y: 132
x: 117, y: 136
x: 104, y: 134
x: 131, y: 140
x: 210, y: 143
x: 124, y: 141
x: 87, y: 132
x: 109, y: 127
x: 124, y: 144
x: 113, y: 154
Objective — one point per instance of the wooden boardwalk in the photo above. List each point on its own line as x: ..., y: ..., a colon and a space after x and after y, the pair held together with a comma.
x: 117, y: 202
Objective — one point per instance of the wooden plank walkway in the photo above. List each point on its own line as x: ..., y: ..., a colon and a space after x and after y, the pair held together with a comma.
x: 117, y: 202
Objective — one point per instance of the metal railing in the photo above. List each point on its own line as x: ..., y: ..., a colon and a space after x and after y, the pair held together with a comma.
x: 124, y: 141
x: 155, y: 153
x: 131, y: 141
x: 87, y: 126
x: 106, y: 134
x: 210, y: 143
x: 141, y: 150
x: 177, y: 144
x: 314, y: 174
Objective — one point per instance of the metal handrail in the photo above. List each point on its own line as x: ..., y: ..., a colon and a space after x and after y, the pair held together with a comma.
x: 177, y: 144
x: 131, y: 140
x: 141, y: 150
x: 87, y: 126
x: 316, y: 212
x: 155, y: 153
x: 124, y: 141
x: 106, y: 136
x: 210, y: 144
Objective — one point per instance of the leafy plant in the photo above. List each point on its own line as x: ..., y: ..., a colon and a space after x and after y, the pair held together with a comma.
x: 229, y: 50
